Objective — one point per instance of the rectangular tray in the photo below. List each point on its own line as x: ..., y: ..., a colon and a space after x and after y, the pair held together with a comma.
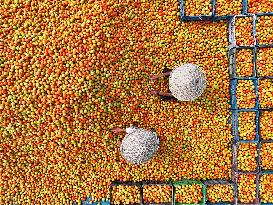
x: 233, y: 94
x: 232, y: 65
x: 127, y: 183
x: 167, y: 183
x: 232, y: 30
x: 213, y: 17
x: 257, y: 201
x: 221, y: 182
x: 190, y: 182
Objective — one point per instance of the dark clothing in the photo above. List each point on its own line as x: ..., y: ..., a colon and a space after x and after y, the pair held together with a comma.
x: 165, y: 70
x: 166, y: 98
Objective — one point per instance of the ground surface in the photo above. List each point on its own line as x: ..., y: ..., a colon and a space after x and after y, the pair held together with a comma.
x: 72, y: 71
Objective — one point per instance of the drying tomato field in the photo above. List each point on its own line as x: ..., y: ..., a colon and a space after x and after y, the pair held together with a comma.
x: 72, y: 70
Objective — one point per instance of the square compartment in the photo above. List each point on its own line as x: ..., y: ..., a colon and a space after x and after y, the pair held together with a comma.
x: 222, y: 8
x: 190, y: 184
x: 236, y: 125
x: 247, y: 125
x: 241, y: 62
x: 248, y: 186
x: 246, y: 97
x: 266, y: 155
x: 241, y: 30
x: 220, y: 193
x: 130, y: 191
x: 164, y: 193
x: 197, y: 7
x: 266, y: 93
x: 265, y: 62
x: 264, y: 29
x: 247, y: 157
x: 266, y: 188
x: 266, y: 125
x: 254, y: 6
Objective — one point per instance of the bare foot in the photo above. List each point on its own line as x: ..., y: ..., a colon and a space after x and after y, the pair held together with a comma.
x: 117, y: 130
x: 154, y: 92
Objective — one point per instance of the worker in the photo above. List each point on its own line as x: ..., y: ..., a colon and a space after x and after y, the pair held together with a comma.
x: 139, y: 145
x: 186, y: 83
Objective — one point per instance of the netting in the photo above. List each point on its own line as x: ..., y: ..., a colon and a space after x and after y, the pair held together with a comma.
x: 139, y: 146
x: 187, y: 82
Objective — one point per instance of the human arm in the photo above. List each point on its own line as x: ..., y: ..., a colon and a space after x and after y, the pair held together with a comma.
x: 154, y: 77
x: 128, y: 130
x: 165, y: 94
x: 117, y: 130
x: 156, y: 92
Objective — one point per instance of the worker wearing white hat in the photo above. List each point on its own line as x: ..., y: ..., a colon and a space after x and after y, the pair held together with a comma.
x: 139, y: 145
x: 186, y: 83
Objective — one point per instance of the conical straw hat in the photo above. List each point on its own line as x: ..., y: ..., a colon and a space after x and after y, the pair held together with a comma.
x: 139, y: 146
x: 187, y: 82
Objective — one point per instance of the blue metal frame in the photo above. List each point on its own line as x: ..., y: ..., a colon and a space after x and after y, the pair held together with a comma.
x: 183, y: 17
x: 137, y: 184
x: 212, y: 17
x: 88, y: 202
x: 244, y: 7
x: 257, y: 109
